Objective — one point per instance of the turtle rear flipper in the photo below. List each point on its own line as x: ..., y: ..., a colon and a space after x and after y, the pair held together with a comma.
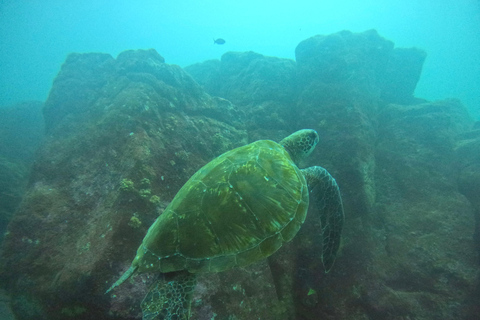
x: 325, y: 197
x: 170, y: 297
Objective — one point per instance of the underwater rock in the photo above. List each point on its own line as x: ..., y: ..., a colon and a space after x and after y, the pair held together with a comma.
x: 468, y: 159
x: 21, y: 130
x: 411, y: 252
x: 146, y: 61
x: 207, y: 74
x: 123, y: 136
x: 5, y: 309
x: 468, y: 165
x: 264, y: 87
x: 401, y: 75
x: 345, y: 121
x: 247, y: 78
x: 251, y: 78
x: 21, y: 133
x: 78, y: 84
x: 423, y: 261
x: 362, y: 61
x: 13, y: 178
x: 355, y: 59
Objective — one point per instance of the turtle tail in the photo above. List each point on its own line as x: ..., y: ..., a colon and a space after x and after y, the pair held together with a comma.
x: 124, y: 277
x: 170, y: 297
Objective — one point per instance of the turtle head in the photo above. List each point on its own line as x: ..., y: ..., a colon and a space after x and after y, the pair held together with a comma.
x: 300, y: 144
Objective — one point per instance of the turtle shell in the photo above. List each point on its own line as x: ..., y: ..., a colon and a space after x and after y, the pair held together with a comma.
x: 239, y: 208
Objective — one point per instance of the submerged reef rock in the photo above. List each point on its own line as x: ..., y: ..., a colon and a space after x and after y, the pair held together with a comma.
x: 358, y: 60
x: 468, y: 165
x: 21, y: 133
x: 124, y: 134
x: 262, y: 86
x: 21, y: 130
x: 13, y: 178
x: 109, y: 121
x: 401, y: 75
x: 411, y: 254
x: 364, y: 62
x: 468, y: 158
x: 422, y: 210
x: 247, y: 77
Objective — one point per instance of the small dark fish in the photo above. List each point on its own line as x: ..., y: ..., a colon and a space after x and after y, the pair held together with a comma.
x: 218, y: 41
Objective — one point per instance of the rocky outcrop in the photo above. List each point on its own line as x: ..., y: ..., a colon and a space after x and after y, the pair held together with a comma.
x: 124, y: 134
x: 424, y: 252
x: 336, y: 86
x: 247, y: 78
x: 21, y: 130
x: 468, y: 157
x: 21, y: 133
x: 401, y: 75
x: 13, y: 179
x: 468, y: 166
x: 263, y: 87
x: 363, y: 62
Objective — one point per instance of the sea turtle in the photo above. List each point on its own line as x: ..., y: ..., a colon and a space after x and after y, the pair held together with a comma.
x: 239, y: 208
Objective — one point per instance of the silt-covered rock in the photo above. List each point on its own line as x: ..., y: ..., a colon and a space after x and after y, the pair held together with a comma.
x: 126, y: 133
x: 21, y: 133
x: 363, y: 62
x: 264, y: 87
x: 123, y: 136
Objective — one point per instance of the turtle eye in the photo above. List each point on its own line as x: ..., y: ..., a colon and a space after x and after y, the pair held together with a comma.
x: 311, y: 140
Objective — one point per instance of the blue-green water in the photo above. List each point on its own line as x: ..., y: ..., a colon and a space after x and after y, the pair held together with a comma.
x: 37, y: 36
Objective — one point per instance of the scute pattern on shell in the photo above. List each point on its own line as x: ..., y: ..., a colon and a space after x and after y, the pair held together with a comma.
x: 238, y: 209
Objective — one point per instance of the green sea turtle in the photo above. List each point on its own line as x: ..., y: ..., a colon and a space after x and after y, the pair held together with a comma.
x: 239, y: 208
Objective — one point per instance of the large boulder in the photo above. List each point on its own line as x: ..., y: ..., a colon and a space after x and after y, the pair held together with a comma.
x: 401, y: 75
x: 344, y: 81
x: 263, y: 87
x: 21, y: 130
x: 247, y: 78
x: 412, y: 253
x: 21, y: 133
x: 424, y: 260
x: 364, y: 62
x: 123, y: 135
x: 13, y: 179
x: 358, y: 60
x: 468, y: 165
x: 468, y: 159
x: 345, y: 121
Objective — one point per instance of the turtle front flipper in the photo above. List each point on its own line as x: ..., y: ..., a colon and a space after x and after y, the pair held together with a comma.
x: 170, y: 297
x: 325, y: 198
